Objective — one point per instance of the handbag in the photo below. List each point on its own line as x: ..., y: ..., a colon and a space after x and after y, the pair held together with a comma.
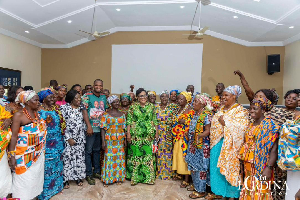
x: 155, y: 146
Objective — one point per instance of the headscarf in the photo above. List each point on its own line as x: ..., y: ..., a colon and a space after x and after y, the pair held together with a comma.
x: 187, y: 95
x: 177, y: 92
x: 206, y: 100
x: 164, y: 92
x: 151, y: 92
x: 25, y: 96
x: 61, y: 86
x: 235, y: 90
x: 124, y: 96
x: 112, y: 98
x: 44, y: 93
x: 264, y: 104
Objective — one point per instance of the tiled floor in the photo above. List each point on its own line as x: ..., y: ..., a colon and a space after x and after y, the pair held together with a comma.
x: 162, y: 190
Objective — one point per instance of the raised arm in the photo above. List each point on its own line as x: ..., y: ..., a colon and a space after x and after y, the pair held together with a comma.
x: 249, y: 92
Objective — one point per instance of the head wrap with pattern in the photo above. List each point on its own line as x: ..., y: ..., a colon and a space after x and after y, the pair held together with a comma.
x: 164, y: 92
x: 177, y: 92
x: 206, y: 100
x: 25, y: 96
x: 264, y: 104
x: 187, y: 95
x: 112, y: 98
x: 125, y: 96
x: 61, y: 86
x: 235, y: 90
x: 44, y: 93
x: 151, y: 92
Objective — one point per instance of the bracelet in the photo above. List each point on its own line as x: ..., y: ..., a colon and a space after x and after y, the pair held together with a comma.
x: 270, y: 167
x: 11, y: 154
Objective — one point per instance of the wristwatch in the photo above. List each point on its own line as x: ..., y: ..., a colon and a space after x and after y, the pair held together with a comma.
x: 270, y: 167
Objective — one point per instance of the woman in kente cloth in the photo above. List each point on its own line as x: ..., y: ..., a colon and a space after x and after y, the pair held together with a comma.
x: 165, y: 111
x: 5, y: 135
x: 180, y: 129
x: 141, y: 133
x: 125, y: 103
x: 27, y: 146
x: 258, y: 154
x: 49, y: 111
x: 197, y: 156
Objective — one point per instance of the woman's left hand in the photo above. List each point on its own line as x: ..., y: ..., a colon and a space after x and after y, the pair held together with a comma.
x: 221, y: 120
x: 267, y: 174
x: 6, y: 124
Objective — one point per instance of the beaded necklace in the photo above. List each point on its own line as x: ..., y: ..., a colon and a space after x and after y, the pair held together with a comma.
x: 183, y: 110
x: 35, y: 120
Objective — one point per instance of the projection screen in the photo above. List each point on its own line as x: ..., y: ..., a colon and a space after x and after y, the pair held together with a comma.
x: 156, y: 67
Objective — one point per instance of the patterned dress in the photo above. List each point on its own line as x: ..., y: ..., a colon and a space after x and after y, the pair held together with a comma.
x: 164, y: 156
x: 197, y: 156
x: 225, y: 144
x: 180, y: 141
x: 53, y: 182
x: 255, y: 153
x: 140, y: 159
x: 113, y: 169
x: 74, y: 156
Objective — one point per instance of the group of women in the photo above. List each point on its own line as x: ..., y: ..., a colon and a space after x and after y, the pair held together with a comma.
x: 224, y: 151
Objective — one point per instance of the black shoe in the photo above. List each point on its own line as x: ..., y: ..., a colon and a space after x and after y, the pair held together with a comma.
x: 90, y: 180
x: 97, y: 175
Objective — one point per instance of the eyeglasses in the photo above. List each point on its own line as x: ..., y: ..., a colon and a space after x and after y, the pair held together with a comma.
x: 143, y: 96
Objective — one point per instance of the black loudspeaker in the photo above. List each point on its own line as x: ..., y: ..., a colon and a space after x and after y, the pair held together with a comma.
x: 273, y: 63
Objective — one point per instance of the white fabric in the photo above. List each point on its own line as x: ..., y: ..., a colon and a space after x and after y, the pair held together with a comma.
x: 5, y: 177
x: 29, y: 184
x: 293, y: 184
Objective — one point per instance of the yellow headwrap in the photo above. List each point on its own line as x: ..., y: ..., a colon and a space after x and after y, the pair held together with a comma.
x: 151, y: 92
x: 187, y: 95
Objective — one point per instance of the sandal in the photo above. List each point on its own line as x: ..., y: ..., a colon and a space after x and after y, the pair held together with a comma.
x: 184, y: 184
x: 119, y: 183
x: 79, y: 182
x: 213, y: 196
x: 196, y: 195
x: 105, y: 185
x: 191, y: 188
x: 66, y: 185
x: 177, y: 177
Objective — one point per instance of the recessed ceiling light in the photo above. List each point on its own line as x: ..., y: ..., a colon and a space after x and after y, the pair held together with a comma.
x: 291, y: 27
x: 181, y: 6
x: 118, y: 9
x: 70, y: 21
x: 279, y: 24
x: 257, y: 0
x: 235, y: 17
x: 26, y: 31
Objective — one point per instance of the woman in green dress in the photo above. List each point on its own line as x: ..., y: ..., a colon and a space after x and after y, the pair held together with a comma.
x: 141, y: 133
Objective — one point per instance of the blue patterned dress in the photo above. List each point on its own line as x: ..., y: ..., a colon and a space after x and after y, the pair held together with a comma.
x: 53, y: 183
x: 198, y: 158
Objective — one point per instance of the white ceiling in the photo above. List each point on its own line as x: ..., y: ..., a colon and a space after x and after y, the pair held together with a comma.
x: 264, y: 23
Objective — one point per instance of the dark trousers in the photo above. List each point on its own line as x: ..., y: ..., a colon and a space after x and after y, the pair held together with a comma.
x: 92, y: 151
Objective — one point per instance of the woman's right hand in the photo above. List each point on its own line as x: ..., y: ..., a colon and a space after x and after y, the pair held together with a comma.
x: 12, y: 163
x: 181, y: 121
x: 71, y: 142
x: 104, y: 146
x: 128, y: 138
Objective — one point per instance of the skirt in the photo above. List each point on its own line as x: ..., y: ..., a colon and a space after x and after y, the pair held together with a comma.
x: 29, y: 184
x: 179, y: 163
x: 113, y: 169
x: 5, y: 177
x: 219, y: 184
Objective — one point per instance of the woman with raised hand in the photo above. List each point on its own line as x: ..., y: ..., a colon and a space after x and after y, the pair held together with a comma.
x: 141, y: 132
x: 227, y: 132
x: 197, y: 156
x: 49, y: 111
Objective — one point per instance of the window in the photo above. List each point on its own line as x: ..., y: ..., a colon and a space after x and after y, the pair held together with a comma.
x: 10, y: 77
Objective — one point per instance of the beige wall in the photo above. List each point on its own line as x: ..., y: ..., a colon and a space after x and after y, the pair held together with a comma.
x: 291, y: 79
x: 82, y: 64
x: 21, y: 56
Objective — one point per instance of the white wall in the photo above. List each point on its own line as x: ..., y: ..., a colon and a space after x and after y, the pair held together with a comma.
x: 291, y: 77
x: 18, y: 55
